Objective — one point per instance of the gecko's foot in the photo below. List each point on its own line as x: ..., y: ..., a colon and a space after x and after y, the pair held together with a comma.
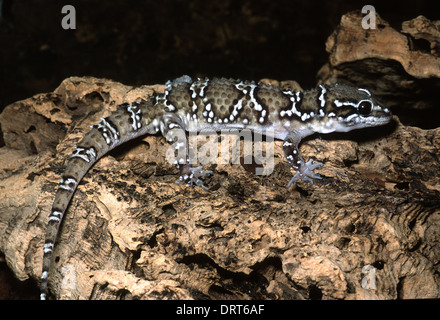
x: 305, y: 172
x: 192, y: 176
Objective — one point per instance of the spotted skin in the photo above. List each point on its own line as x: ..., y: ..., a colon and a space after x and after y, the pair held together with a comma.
x: 189, y: 105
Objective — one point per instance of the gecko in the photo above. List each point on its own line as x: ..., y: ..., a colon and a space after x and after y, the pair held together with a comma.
x: 194, y: 105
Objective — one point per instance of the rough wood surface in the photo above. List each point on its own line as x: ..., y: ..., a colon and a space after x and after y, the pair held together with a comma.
x: 368, y: 230
x: 401, y: 67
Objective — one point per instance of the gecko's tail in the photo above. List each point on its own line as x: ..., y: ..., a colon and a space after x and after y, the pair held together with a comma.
x: 126, y: 123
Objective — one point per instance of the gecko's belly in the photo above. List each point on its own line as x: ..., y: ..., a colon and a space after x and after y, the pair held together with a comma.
x: 276, y: 132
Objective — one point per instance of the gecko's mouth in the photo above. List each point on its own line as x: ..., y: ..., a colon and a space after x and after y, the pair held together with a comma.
x: 370, y: 121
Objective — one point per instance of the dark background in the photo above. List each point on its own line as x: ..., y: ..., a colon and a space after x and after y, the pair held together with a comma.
x: 151, y: 41
x: 147, y: 42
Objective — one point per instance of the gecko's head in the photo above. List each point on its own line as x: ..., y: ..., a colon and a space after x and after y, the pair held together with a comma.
x: 349, y: 108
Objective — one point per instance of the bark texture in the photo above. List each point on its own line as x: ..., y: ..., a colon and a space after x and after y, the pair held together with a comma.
x: 370, y: 229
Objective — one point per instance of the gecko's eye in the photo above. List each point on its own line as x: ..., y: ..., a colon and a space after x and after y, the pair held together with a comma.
x: 365, y: 108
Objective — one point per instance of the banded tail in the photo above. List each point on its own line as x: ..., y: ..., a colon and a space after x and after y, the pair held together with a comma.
x: 128, y: 122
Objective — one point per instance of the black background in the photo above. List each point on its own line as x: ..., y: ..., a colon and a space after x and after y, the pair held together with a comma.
x: 147, y: 42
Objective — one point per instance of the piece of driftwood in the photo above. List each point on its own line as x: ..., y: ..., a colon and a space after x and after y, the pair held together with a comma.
x: 401, y: 67
x: 368, y: 230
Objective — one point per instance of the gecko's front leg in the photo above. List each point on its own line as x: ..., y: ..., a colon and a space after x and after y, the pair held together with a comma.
x: 304, y: 170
